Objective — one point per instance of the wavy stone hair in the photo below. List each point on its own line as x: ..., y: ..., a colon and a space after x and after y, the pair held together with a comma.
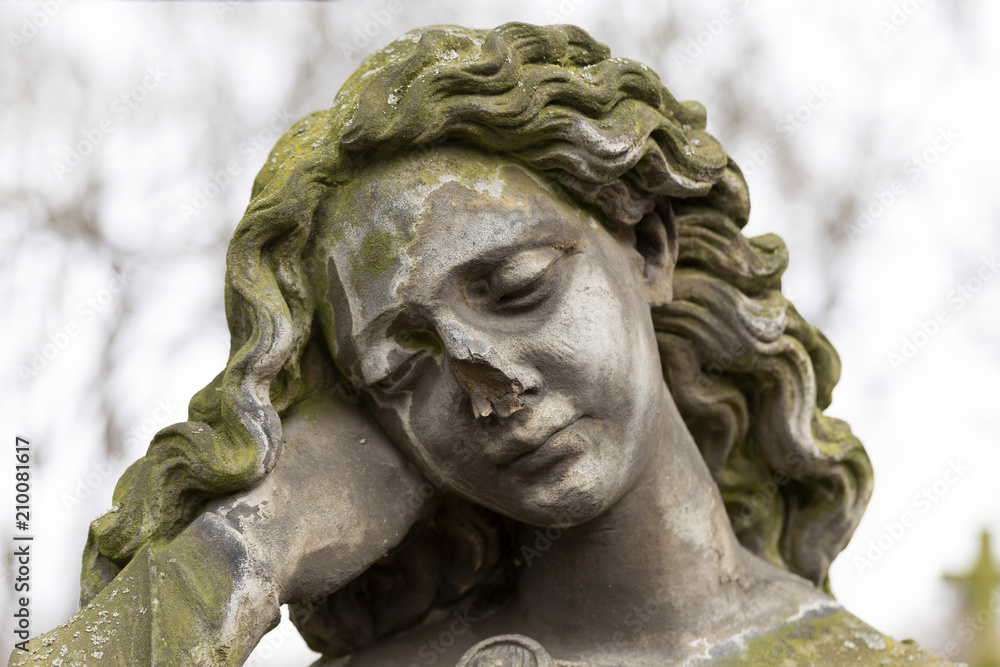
x: 749, y: 375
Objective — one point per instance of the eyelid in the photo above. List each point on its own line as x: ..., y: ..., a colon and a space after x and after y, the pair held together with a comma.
x: 401, y: 338
x: 401, y: 376
x: 419, y: 342
x: 522, y: 270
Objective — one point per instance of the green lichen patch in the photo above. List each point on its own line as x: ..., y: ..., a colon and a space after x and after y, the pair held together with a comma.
x: 417, y: 339
x: 377, y: 253
x: 833, y: 640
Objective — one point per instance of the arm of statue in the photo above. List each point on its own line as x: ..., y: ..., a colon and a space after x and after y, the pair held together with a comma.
x: 333, y: 505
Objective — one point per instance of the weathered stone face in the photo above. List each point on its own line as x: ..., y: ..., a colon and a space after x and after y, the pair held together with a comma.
x: 500, y: 333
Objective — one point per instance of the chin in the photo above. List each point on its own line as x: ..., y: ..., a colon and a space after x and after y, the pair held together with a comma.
x: 581, y: 494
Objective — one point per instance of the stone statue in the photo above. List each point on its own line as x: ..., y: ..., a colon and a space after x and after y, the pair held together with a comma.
x: 507, y: 386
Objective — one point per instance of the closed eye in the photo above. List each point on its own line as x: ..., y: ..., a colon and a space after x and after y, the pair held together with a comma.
x: 405, y: 374
x: 529, y: 294
x: 424, y: 344
x: 519, y: 282
x: 522, y: 270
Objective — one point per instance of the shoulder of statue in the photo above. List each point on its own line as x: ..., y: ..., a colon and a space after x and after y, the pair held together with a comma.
x: 823, y: 634
x: 827, y: 634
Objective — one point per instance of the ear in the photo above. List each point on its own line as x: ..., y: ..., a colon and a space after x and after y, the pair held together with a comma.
x: 656, y: 242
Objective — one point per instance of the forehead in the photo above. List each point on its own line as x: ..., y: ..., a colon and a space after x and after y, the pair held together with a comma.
x: 451, y: 206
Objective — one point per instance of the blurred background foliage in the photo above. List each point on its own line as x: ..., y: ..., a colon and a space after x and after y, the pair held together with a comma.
x: 867, y: 130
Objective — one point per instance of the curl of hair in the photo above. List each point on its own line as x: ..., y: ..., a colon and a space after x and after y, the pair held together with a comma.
x: 749, y: 375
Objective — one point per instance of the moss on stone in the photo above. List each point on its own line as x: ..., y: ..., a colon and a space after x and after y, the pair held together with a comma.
x: 416, y: 339
x: 378, y: 253
x: 831, y: 640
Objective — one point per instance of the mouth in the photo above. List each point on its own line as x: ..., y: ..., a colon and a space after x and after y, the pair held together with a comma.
x: 532, y: 458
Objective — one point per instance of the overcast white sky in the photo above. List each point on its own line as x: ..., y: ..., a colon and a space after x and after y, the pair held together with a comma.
x: 867, y: 130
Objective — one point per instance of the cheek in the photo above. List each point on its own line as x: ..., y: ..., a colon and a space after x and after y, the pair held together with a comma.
x: 592, y: 346
x: 429, y: 426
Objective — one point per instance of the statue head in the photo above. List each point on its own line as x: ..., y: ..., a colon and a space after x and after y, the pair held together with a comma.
x: 605, y: 248
x: 483, y: 314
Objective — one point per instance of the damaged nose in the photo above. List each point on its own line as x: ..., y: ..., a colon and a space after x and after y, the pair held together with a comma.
x: 491, y: 391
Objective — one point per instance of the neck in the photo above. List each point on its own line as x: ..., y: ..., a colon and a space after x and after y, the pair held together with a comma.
x: 661, y: 566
